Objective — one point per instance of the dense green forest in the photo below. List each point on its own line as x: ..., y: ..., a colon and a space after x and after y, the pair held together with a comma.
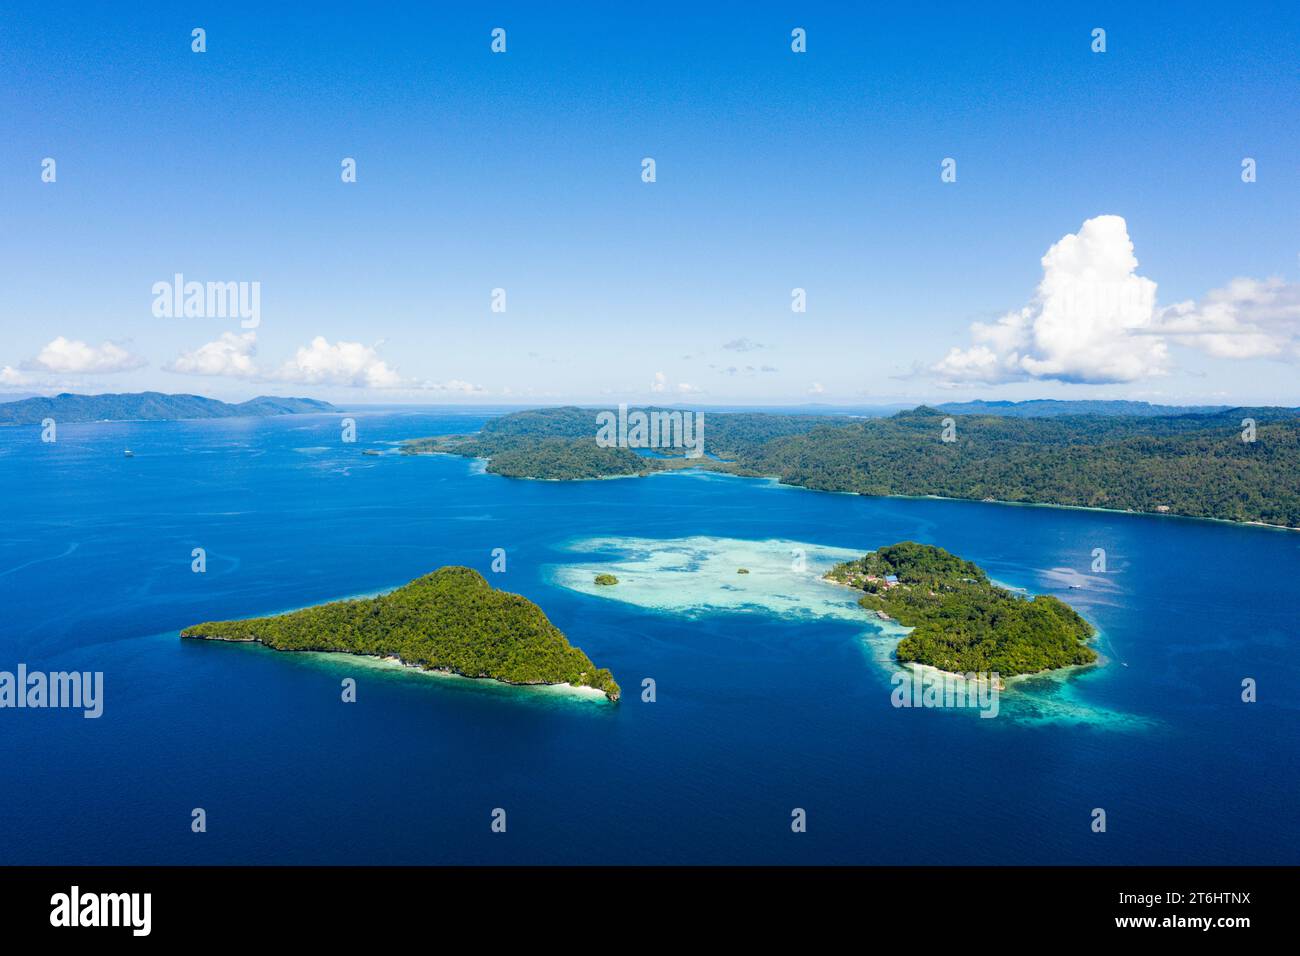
x: 960, y: 621
x: 560, y: 443
x: 450, y: 620
x: 554, y: 458
x: 1193, y: 464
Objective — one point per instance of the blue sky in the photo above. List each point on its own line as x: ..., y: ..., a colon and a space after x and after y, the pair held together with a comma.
x: 774, y: 171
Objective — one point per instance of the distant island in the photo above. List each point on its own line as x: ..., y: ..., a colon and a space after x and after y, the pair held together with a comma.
x: 149, y: 406
x: 451, y: 620
x: 961, y: 622
x: 1177, y: 462
x: 1057, y: 407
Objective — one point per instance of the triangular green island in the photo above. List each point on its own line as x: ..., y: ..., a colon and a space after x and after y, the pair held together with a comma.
x: 450, y: 620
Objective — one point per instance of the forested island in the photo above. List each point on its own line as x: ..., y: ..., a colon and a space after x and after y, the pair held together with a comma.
x: 548, y: 459
x: 149, y: 406
x: 559, y: 444
x: 962, y: 622
x: 1194, y: 463
x: 451, y: 620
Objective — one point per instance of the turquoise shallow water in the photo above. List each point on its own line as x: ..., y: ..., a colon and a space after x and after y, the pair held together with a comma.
x: 699, y: 576
x: 772, y: 691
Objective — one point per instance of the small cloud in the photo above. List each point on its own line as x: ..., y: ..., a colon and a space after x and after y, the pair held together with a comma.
x: 687, y: 389
x: 231, y: 356
x: 456, y: 385
x: 743, y: 345
x: 747, y: 370
x: 660, y: 382
x: 72, y: 356
x: 341, y: 363
x: 816, y: 389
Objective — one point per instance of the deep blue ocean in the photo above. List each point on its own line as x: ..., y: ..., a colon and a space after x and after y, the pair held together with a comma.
x: 756, y: 713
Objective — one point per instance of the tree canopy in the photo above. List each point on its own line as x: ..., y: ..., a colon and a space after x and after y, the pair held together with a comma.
x: 962, y: 622
x: 449, y: 620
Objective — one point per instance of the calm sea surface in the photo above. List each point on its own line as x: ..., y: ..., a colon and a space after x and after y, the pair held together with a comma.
x: 757, y: 713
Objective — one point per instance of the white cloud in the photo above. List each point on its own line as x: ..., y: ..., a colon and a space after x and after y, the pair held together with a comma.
x: 231, y: 355
x: 816, y: 388
x: 748, y: 370
x: 456, y: 385
x: 1247, y: 318
x: 64, y: 356
x: 743, y: 345
x: 1091, y: 320
x: 660, y: 384
x: 1094, y: 320
x: 318, y: 363
x: 11, y: 376
x: 341, y: 363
